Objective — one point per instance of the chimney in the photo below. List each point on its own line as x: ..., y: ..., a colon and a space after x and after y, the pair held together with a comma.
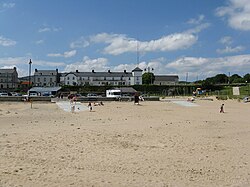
x: 125, y: 71
x: 109, y: 71
x: 93, y: 71
x: 35, y: 70
x: 57, y: 70
x: 14, y: 68
x: 77, y: 71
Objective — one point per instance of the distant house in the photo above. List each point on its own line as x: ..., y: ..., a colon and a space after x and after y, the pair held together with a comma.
x: 166, y: 79
x: 8, y: 78
x: 94, y: 78
x: 45, y: 78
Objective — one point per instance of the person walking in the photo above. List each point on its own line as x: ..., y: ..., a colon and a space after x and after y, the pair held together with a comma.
x: 222, y: 108
x: 90, y: 106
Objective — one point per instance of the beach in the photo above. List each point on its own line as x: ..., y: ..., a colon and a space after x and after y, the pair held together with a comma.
x: 154, y: 144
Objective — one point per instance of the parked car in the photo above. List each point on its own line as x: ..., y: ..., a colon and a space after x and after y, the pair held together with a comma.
x: 3, y: 94
x: 33, y: 94
x: 92, y: 95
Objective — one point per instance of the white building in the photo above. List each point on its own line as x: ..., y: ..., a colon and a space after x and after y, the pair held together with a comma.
x: 45, y: 78
x: 102, y: 78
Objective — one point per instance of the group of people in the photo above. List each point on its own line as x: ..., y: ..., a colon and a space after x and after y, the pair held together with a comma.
x: 90, y: 106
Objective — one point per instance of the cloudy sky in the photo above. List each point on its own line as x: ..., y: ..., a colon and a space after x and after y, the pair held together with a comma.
x: 195, y: 38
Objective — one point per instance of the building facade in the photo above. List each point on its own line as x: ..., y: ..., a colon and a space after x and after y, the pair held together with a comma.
x: 102, y: 78
x: 8, y: 78
x: 166, y: 79
x: 46, y: 78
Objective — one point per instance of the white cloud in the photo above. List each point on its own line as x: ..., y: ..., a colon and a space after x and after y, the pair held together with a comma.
x: 118, y: 44
x: 6, y: 42
x: 81, y: 43
x: 237, y: 13
x: 9, y: 61
x: 227, y: 40
x: 66, y: 54
x: 47, y: 63
x: 87, y: 64
x: 49, y: 29
x: 39, y: 42
x: 198, y: 28
x: 229, y: 49
x: 5, y: 6
x: 206, y: 67
x: 8, y: 5
x: 196, y: 21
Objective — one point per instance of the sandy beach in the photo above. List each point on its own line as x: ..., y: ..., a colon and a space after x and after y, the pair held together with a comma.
x: 154, y: 144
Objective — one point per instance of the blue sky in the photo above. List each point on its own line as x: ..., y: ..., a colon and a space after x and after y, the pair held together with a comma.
x: 201, y: 38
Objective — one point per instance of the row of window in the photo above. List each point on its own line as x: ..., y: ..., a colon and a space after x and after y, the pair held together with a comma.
x: 6, y: 80
x: 44, y: 79
x: 88, y: 78
x: 101, y: 83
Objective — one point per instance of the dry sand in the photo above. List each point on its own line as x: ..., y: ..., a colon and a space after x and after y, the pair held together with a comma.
x: 157, y: 144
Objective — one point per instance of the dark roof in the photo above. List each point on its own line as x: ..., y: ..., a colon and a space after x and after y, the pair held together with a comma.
x: 7, y: 70
x: 45, y: 72
x: 100, y: 74
x: 45, y: 89
x: 166, y: 77
x: 136, y: 69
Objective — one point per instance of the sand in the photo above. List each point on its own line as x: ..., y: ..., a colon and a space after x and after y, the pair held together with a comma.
x: 156, y: 144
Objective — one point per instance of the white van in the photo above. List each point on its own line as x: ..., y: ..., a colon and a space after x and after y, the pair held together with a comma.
x: 113, y: 93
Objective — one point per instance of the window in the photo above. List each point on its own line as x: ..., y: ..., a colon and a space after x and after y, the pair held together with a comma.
x: 73, y: 78
x: 50, y: 79
x: 38, y: 79
x: 44, y: 79
x: 68, y: 78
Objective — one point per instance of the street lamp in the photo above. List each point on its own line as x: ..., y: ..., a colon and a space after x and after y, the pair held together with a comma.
x: 29, y: 73
x: 247, y: 88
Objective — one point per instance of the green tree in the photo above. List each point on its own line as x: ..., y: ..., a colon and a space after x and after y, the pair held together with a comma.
x: 148, y: 78
x: 235, y: 78
x: 247, y: 77
x: 220, y: 79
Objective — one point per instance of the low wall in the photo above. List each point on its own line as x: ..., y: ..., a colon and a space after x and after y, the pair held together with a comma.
x: 82, y: 99
x: 97, y: 99
x: 20, y: 98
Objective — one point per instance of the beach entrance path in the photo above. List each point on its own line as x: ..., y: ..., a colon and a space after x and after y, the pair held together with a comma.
x: 185, y: 103
x: 66, y: 106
